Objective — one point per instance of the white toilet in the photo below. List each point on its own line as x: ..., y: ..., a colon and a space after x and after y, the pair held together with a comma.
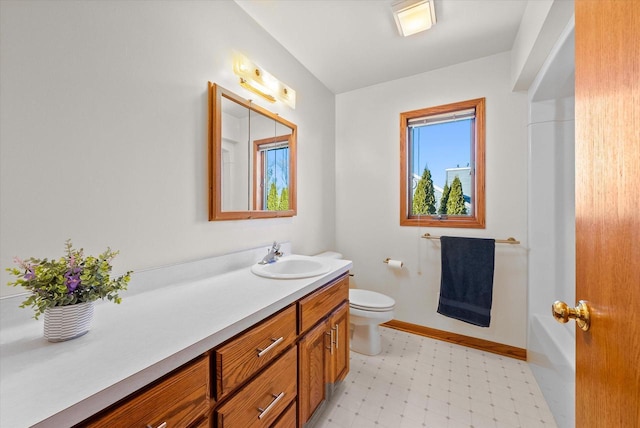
x: 367, y: 310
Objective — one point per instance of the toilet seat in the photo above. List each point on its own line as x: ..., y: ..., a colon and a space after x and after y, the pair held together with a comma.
x: 367, y: 300
x: 367, y: 309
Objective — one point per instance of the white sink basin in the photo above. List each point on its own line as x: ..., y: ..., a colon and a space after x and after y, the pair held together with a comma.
x: 292, y: 267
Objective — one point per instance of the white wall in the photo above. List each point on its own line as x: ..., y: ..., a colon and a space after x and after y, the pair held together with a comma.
x: 367, y: 195
x: 103, y: 135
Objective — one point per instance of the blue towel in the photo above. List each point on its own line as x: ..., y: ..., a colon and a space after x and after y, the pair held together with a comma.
x: 466, y: 287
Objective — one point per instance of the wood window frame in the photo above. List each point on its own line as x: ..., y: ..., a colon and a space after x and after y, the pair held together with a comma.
x: 477, y: 218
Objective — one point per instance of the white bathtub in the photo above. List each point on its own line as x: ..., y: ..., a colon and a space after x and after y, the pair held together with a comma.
x: 551, y: 355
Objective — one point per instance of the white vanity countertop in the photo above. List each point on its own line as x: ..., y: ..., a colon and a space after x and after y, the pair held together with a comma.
x: 129, y: 345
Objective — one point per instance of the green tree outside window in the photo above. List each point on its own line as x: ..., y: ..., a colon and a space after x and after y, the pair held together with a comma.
x: 442, y: 209
x: 284, y: 200
x: 272, y: 198
x: 455, y: 203
x: 424, y: 199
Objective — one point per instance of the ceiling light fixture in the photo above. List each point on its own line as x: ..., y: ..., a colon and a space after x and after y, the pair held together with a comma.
x: 260, y: 82
x: 413, y: 16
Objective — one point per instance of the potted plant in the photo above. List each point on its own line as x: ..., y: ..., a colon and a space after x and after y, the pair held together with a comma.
x: 64, y: 289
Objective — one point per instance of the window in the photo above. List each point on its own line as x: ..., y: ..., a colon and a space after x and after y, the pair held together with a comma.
x: 442, y: 156
x: 271, y: 161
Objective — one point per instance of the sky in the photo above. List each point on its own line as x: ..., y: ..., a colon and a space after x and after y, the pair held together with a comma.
x: 441, y: 146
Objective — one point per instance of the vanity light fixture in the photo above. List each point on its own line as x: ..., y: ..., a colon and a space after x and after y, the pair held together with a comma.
x: 257, y: 80
x: 413, y: 16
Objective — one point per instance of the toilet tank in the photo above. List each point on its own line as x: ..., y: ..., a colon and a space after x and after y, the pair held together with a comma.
x: 329, y: 255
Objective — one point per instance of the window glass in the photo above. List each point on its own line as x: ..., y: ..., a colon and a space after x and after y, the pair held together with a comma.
x: 276, y: 178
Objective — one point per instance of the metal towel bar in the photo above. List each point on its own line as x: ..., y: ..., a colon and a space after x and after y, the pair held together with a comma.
x: 498, y: 241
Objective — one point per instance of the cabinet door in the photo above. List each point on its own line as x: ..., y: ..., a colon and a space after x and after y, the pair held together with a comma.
x: 312, y: 371
x: 339, y: 331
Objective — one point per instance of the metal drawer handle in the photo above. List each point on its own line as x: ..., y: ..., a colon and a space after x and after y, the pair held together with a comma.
x: 162, y: 425
x: 276, y: 398
x: 261, y: 352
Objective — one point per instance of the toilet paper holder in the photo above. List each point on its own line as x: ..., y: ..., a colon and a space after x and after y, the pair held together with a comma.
x: 394, y: 263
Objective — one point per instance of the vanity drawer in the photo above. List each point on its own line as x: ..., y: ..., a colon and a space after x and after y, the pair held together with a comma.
x: 288, y: 418
x: 259, y: 403
x: 178, y: 400
x: 318, y: 304
x: 246, y: 354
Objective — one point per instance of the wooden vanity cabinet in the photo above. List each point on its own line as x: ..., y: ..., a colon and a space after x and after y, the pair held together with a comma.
x: 181, y: 399
x: 275, y: 374
x: 324, y: 348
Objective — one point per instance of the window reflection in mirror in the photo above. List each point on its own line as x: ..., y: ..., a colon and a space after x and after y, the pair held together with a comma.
x: 271, y: 161
x: 252, y: 159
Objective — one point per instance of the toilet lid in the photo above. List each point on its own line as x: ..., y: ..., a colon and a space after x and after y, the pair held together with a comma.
x: 370, y: 300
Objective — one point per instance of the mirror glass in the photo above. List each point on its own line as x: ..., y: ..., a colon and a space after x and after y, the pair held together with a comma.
x: 252, y: 159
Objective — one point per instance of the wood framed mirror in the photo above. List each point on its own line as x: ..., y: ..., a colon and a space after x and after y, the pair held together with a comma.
x: 252, y: 159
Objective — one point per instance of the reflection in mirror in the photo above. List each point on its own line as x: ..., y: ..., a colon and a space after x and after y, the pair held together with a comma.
x: 252, y: 160
x: 271, y: 160
x: 234, y: 161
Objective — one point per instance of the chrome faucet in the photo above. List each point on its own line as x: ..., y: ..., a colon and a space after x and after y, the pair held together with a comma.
x: 272, y: 254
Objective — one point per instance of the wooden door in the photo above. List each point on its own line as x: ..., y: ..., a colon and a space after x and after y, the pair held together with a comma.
x: 608, y: 211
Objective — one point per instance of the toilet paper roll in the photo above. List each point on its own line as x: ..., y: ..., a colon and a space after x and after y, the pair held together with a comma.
x: 395, y: 264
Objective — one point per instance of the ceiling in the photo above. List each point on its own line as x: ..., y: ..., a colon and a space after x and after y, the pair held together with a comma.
x: 351, y: 44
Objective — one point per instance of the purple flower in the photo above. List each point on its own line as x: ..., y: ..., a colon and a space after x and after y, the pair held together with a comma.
x: 29, y: 274
x: 72, y: 279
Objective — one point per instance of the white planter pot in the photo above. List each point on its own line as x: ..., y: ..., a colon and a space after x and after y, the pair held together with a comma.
x: 67, y: 322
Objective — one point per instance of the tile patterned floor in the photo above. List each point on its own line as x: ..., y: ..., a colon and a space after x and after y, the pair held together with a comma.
x: 420, y: 382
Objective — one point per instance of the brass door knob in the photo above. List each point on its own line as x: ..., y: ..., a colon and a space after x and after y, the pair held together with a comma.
x: 562, y: 313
